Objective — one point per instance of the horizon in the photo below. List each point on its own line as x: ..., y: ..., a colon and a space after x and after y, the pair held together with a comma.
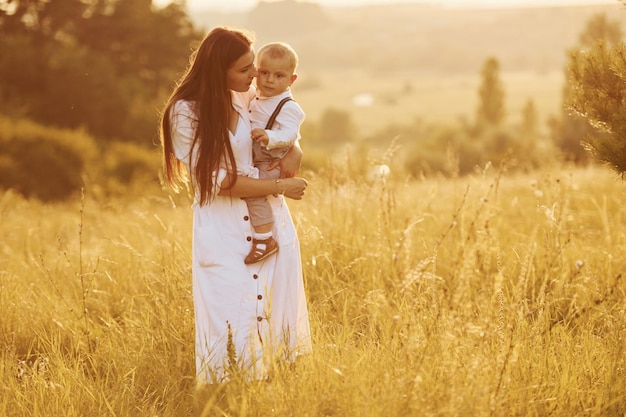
x: 245, y: 5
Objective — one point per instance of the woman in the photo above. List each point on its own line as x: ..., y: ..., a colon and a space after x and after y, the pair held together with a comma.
x: 246, y: 315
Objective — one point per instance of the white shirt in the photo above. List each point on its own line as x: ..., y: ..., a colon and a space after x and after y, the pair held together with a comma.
x: 286, y: 128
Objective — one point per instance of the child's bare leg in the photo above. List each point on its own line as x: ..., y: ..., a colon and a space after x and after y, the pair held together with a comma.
x: 263, y: 228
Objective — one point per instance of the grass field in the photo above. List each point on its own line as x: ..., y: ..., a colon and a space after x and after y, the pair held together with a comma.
x: 491, y: 295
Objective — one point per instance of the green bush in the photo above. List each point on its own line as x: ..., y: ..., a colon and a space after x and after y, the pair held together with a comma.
x: 45, y: 163
x: 459, y: 150
x: 128, y: 163
x: 52, y: 164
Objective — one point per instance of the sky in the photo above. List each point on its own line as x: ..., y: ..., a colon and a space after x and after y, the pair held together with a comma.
x: 244, y: 5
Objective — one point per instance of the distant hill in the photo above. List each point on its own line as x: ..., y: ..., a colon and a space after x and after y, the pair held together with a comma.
x: 418, y: 37
x: 288, y: 16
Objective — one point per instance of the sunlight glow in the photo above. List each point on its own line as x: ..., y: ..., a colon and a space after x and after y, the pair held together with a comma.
x: 244, y: 5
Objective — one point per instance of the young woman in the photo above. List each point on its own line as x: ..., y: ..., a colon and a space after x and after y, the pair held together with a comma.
x: 246, y: 315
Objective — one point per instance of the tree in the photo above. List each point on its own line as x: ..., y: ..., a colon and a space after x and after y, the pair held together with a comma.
x: 105, y: 65
x: 529, y: 119
x: 570, y: 132
x: 600, y: 27
x: 491, y: 95
x: 599, y: 94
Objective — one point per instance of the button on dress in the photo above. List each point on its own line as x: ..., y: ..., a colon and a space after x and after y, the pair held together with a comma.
x: 256, y: 312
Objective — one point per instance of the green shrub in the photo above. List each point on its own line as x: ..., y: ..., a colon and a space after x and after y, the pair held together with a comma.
x: 44, y: 163
x: 128, y: 163
x: 459, y: 150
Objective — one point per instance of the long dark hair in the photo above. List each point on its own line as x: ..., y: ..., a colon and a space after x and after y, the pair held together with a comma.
x: 204, y: 85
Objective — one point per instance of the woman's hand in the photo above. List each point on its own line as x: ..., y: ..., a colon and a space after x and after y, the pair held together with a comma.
x: 292, y: 187
x: 290, y: 163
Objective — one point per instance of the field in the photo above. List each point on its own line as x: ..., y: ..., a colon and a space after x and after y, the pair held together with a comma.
x: 420, y: 61
x: 499, y: 293
x: 496, y: 294
x: 406, y: 61
x: 375, y: 100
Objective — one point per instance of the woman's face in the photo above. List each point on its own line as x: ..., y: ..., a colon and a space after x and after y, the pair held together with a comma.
x: 240, y: 75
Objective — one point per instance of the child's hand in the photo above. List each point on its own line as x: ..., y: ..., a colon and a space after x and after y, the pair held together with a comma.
x: 260, y: 135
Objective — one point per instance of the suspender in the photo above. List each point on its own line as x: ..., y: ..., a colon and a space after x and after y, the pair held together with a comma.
x: 272, y: 118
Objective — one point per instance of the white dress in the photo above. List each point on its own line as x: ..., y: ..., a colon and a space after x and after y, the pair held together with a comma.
x: 251, y: 314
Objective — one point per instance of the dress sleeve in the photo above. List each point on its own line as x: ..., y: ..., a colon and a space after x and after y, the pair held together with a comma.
x: 184, y: 122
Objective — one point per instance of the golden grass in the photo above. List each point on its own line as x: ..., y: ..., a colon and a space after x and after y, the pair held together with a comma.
x: 490, y: 295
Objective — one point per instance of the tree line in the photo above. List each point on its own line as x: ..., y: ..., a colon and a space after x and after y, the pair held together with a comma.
x: 94, y: 74
x: 591, y: 122
x: 590, y: 127
x: 101, y: 65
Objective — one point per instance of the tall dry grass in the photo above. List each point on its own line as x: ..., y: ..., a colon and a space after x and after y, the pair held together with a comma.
x: 491, y: 295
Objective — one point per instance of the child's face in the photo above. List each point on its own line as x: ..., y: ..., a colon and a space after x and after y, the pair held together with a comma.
x: 274, y: 75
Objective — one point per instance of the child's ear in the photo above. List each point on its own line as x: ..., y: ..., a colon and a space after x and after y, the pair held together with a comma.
x: 293, y: 79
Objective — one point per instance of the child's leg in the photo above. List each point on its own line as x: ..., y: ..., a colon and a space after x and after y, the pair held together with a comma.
x: 264, y: 228
x: 262, y: 221
x: 261, y: 214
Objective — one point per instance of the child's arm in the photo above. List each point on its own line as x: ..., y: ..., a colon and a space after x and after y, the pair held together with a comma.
x: 286, y: 130
x: 260, y: 135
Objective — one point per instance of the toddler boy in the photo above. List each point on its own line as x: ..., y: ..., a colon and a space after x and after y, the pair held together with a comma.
x: 276, y: 119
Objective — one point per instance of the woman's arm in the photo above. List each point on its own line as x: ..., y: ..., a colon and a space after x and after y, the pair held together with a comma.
x: 290, y: 163
x: 251, y: 187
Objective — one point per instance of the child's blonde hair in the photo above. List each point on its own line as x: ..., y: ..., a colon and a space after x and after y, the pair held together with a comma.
x: 280, y: 50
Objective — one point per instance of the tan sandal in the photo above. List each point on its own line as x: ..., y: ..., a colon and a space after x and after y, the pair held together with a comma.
x: 257, y: 254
